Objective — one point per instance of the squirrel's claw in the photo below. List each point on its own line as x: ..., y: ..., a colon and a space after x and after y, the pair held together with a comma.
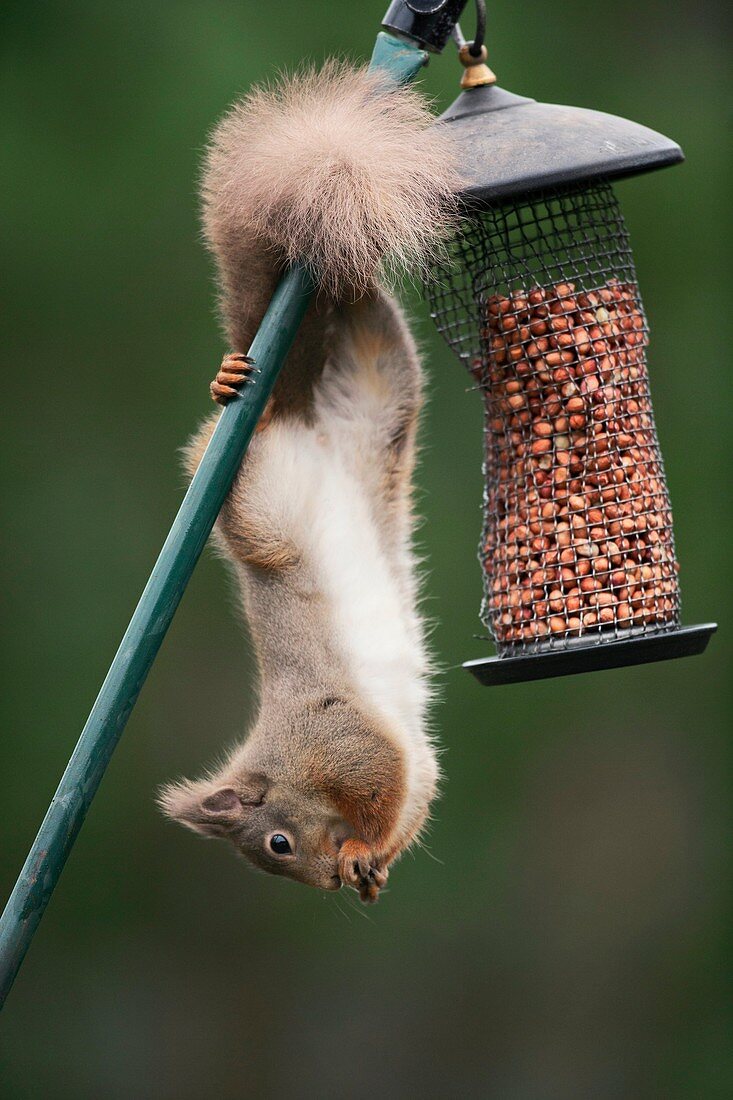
x: 234, y: 371
x: 358, y: 867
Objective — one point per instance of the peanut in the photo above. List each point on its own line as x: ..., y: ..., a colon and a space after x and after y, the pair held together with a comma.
x: 579, y: 527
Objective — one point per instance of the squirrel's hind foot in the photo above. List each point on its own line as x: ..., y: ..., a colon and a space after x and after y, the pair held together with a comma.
x: 358, y: 867
x: 234, y: 371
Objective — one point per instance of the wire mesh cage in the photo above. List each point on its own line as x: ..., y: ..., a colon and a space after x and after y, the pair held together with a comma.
x: 538, y: 297
x: 541, y: 303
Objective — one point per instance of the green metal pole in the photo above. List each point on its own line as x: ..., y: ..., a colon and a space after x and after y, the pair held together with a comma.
x: 172, y: 571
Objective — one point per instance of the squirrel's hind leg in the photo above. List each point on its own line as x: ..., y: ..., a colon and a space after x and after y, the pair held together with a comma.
x: 247, y: 530
x: 373, y: 374
x: 368, y: 402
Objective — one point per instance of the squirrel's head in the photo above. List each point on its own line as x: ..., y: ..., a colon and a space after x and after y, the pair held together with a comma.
x: 279, y: 829
x: 315, y: 772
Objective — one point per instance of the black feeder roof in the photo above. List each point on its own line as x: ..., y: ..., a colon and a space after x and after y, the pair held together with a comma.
x: 512, y: 145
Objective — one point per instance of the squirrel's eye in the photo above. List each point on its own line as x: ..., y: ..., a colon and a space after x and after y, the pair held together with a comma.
x: 280, y: 844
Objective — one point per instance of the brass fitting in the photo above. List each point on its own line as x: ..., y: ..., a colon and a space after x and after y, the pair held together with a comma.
x: 477, y: 71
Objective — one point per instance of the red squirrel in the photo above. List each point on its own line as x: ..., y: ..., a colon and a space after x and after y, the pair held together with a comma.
x: 351, y: 176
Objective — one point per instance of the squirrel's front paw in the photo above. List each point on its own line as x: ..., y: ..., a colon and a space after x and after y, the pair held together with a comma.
x: 235, y: 369
x: 358, y: 867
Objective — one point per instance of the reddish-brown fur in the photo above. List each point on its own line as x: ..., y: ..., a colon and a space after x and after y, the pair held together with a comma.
x: 349, y: 176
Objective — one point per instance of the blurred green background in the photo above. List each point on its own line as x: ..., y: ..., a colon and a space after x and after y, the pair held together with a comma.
x: 567, y: 934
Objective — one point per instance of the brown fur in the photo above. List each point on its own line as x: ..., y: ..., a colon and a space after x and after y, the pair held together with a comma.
x: 351, y: 177
x: 369, y: 792
x: 333, y: 168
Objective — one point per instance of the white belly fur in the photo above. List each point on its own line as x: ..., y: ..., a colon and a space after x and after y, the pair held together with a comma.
x: 324, y: 509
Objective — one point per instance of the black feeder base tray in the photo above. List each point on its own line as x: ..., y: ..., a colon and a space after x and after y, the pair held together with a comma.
x: 582, y: 657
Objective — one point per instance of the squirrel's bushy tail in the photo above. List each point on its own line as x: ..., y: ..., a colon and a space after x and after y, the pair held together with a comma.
x: 329, y: 167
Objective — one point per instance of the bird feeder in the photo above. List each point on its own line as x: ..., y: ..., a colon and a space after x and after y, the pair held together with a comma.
x: 539, y: 299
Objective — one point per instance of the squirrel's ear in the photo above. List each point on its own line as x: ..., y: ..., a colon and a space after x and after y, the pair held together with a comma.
x: 223, y: 803
x: 209, y: 808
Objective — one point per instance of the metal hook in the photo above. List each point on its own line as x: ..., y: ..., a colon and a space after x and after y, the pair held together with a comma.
x: 478, y: 39
x: 476, y: 46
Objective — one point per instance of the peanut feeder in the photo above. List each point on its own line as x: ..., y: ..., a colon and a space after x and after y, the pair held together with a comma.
x: 539, y: 299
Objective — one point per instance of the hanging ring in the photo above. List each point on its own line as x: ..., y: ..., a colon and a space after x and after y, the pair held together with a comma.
x: 476, y: 47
